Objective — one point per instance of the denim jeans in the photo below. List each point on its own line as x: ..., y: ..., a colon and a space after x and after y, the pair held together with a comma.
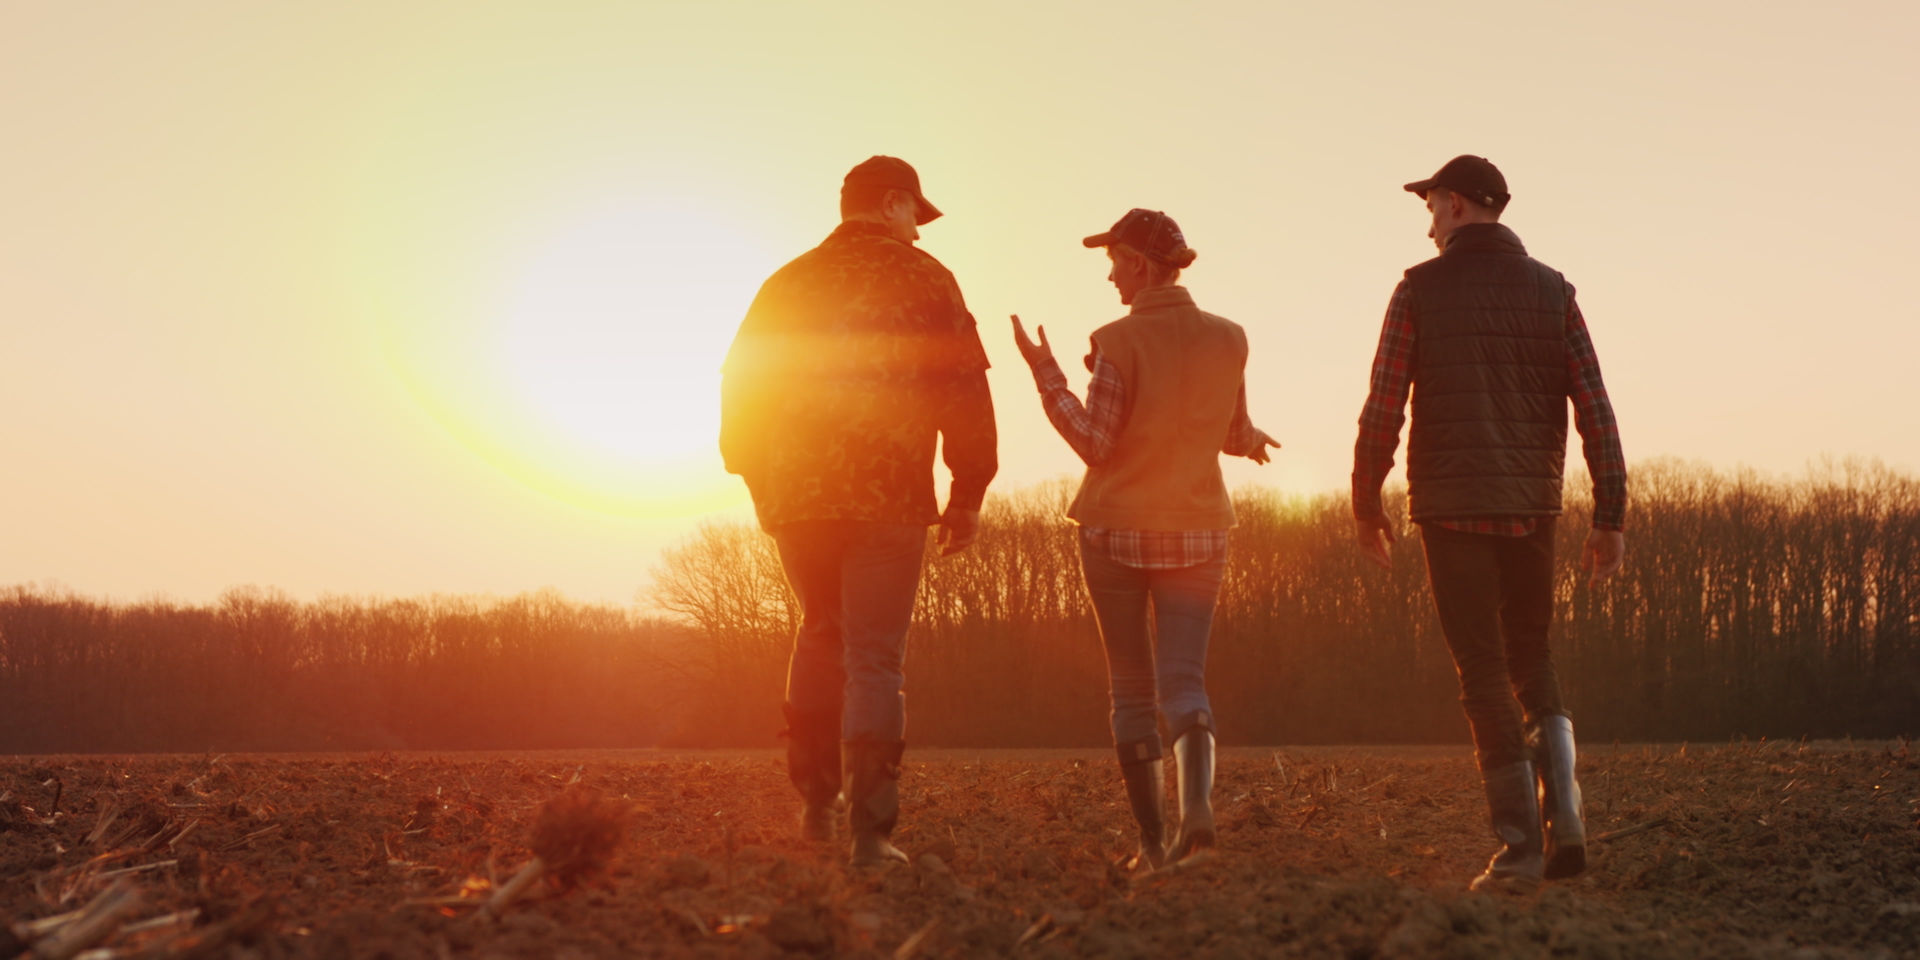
x: 1158, y: 665
x: 855, y: 581
x: 1495, y: 598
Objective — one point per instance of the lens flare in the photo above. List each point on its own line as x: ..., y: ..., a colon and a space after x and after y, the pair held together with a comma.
x: 613, y: 326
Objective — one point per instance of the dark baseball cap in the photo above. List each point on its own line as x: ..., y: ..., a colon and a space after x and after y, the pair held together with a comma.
x: 1148, y: 231
x: 1475, y: 178
x: 898, y: 174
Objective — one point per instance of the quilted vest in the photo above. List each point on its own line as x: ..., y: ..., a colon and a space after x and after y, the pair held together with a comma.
x: 1490, y: 381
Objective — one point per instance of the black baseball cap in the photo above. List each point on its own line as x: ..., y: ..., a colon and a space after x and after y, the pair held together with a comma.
x: 1148, y: 231
x: 898, y: 174
x: 1475, y: 178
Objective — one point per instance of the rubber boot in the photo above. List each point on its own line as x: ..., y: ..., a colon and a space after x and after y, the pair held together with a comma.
x: 1193, y: 754
x: 813, y: 764
x: 1564, y: 829
x: 1146, y: 782
x: 1514, y: 810
x: 873, y: 799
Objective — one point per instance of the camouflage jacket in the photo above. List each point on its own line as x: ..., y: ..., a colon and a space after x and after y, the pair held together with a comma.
x: 851, y: 361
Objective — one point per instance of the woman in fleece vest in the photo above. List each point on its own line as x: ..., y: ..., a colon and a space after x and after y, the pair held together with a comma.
x: 1166, y: 399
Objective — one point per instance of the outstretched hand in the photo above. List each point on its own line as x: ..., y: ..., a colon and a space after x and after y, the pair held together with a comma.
x: 1034, y: 353
x: 1260, y: 454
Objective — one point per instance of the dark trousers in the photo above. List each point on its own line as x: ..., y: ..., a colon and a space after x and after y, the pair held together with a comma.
x: 1495, y: 599
x: 856, y: 583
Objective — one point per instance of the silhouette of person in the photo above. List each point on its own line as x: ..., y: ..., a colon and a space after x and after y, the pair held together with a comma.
x: 852, y: 362
x: 1491, y: 346
x: 1166, y: 399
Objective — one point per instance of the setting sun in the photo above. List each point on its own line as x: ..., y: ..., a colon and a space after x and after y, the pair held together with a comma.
x: 577, y: 346
x: 1157, y: 504
x: 612, y: 328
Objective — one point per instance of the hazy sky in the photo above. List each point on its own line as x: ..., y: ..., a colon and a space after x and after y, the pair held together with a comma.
x: 406, y: 297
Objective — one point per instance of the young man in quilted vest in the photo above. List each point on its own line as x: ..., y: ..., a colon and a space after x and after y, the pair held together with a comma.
x: 1492, y: 347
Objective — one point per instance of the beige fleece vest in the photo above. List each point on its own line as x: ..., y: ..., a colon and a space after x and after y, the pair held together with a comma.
x: 1182, y: 370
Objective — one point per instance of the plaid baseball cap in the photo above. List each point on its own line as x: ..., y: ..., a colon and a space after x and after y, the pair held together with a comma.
x: 1475, y: 178
x: 1148, y: 231
x: 898, y: 174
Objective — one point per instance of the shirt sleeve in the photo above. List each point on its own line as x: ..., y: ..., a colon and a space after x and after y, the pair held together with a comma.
x: 1243, y: 438
x: 968, y: 439
x: 1091, y: 429
x: 1386, y: 408
x: 1593, y: 417
x: 749, y: 390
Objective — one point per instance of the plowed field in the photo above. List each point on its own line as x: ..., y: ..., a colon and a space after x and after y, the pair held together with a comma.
x: 1761, y: 850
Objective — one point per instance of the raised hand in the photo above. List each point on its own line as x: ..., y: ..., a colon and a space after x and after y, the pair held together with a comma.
x: 1034, y: 353
x: 1260, y: 454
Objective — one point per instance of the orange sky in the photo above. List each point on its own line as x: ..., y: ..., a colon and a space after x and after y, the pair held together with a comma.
x: 376, y: 298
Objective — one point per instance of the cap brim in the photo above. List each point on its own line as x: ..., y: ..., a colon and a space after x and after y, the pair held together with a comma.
x: 1099, y: 240
x: 1421, y: 186
x: 928, y: 213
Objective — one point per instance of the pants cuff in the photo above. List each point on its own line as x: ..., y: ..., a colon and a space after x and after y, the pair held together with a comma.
x: 1180, y: 726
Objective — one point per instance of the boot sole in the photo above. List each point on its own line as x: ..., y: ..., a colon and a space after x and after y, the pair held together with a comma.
x: 1567, y: 862
x: 1194, y: 860
x: 885, y: 856
x: 1517, y: 885
x: 1199, y: 842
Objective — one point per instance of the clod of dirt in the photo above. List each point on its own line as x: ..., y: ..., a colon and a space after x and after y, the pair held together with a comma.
x: 1038, y: 865
x: 937, y: 878
x: 992, y: 936
x: 577, y: 833
x: 687, y: 870
x: 802, y: 929
x: 529, y: 923
x: 424, y: 810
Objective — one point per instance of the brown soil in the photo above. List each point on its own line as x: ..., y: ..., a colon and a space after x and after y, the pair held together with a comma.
x: 1770, y: 850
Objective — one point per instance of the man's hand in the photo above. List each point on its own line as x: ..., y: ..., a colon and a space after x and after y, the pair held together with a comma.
x: 1260, y: 454
x: 958, y: 530
x: 1034, y: 353
x: 1376, y: 541
x: 1603, y: 554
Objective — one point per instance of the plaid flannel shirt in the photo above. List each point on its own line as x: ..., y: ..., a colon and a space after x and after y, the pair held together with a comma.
x: 1091, y: 431
x: 1385, y: 413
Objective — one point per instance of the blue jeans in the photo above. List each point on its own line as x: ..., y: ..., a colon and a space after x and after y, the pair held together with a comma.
x: 1158, y: 666
x: 855, y: 581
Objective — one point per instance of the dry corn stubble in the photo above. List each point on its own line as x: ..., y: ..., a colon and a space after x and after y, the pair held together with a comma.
x: 1760, y: 843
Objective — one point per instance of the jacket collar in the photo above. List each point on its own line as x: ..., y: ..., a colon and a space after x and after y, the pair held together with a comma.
x: 860, y: 228
x: 1160, y: 298
x: 1484, y: 238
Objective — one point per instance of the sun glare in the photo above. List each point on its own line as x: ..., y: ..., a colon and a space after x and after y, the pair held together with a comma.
x: 614, y: 326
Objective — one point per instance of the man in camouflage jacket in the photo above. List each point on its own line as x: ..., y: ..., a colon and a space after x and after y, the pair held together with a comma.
x: 854, y: 360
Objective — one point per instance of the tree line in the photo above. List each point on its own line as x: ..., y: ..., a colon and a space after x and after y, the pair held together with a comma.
x: 259, y: 671
x: 1749, y: 606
